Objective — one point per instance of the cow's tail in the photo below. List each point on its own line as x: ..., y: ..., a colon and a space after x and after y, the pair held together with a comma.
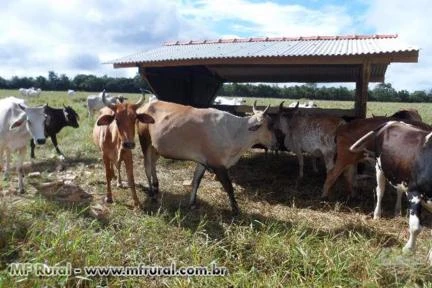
x: 361, y: 143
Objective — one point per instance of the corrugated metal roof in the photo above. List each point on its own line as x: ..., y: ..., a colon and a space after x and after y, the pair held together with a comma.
x: 270, y: 47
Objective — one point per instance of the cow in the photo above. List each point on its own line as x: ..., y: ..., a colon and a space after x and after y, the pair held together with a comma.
x: 314, y: 134
x: 349, y: 133
x: 309, y: 104
x: 23, y: 91
x: 152, y: 97
x: 56, y: 119
x: 31, y: 92
x: 95, y: 103
x: 114, y: 134
x: 19, y: 123
x: 213, y: 139
x: 404, y: 154
x: 71, y: 92
x: 221, y: 100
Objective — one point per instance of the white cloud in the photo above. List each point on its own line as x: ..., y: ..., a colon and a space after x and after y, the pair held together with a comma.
x: 46, y: 36
x: 268, y: 18
x: 411, y: 21
x: 72, y: 38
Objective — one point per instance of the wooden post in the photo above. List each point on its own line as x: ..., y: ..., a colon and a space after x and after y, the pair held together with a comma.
x: 362, y: 90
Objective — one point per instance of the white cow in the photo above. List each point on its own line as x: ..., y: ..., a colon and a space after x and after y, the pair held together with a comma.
x: 23, y: 91
x: 309, y: 104
x: 95, y: 103
x: 71, y: 92
x: 152, y: 98
x: 18, y: 124
x: 31, y: 92
x: 221, y: 100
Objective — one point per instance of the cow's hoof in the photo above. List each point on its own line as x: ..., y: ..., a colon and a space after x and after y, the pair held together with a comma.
x: 193, y: 206
x: 108, y: 200
x: 235, y: 213
x: 407, y: 250
x: 324, y: 199
x: 137, y: 207
x: 22, y: 191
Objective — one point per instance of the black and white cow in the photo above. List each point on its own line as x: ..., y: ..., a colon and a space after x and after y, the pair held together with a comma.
x: 56, y: 119
x: 404, y: 156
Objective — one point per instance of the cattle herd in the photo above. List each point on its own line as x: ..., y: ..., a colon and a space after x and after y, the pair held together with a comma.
x: 400, y: 145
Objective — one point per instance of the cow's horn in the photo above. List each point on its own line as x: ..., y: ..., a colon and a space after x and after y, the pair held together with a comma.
x: 266, y: 109
x: 140, y: 101
x: 109, y: 105
x: 281, y: 106
x: 254, y: 110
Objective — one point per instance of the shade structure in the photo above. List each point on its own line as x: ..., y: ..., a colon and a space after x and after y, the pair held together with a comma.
x: 191, y: 72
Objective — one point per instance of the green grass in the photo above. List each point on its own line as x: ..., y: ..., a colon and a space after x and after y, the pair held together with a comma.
x: 284, y: 237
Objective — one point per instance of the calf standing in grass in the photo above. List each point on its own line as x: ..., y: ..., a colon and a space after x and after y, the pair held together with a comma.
x: 114, y: 134
x: 404, y: 157
x: 55, y: 120
x: 213, y: 139
x: 314, y: 134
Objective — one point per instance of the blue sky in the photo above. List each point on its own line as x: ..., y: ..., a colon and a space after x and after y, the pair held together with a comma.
x: 79, y: 35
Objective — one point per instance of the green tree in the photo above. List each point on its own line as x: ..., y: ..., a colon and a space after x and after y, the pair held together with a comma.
x: 384, y: 92
x: 403, y: 96
x: 419, y: 96
x: 53, y: 80
x: 41, y: 82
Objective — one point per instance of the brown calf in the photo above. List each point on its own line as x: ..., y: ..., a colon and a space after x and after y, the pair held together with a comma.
x: 115, y: 139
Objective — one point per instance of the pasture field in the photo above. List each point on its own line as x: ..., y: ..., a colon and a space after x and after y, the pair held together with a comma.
x: 284, y: 236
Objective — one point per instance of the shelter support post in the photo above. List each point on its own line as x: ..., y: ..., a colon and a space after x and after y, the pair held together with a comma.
x: 362, y: 90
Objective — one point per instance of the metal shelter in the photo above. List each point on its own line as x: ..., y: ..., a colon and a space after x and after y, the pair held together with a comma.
x: 191, y: 72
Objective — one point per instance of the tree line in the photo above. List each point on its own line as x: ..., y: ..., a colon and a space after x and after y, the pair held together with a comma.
x: 80, y: 82
x: 382, y: 92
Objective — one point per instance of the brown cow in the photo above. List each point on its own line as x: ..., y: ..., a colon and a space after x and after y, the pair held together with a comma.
x: 346, y: 135
x: 213, y: 139
x: 115, y: 139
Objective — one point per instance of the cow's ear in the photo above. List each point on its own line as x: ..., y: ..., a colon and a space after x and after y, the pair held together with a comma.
x: 17, y: 124
x: 145, y: 118
x: 254, y: 127
x: 105, y: 120
x: 19, y: 121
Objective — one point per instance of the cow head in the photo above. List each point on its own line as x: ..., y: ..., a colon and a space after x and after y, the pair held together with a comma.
x: 262, y: 124
x: 283, y: 116
x: 125, y: 117
x: 71, y: 116
x: 408, y: 114
x: 34, y: 118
